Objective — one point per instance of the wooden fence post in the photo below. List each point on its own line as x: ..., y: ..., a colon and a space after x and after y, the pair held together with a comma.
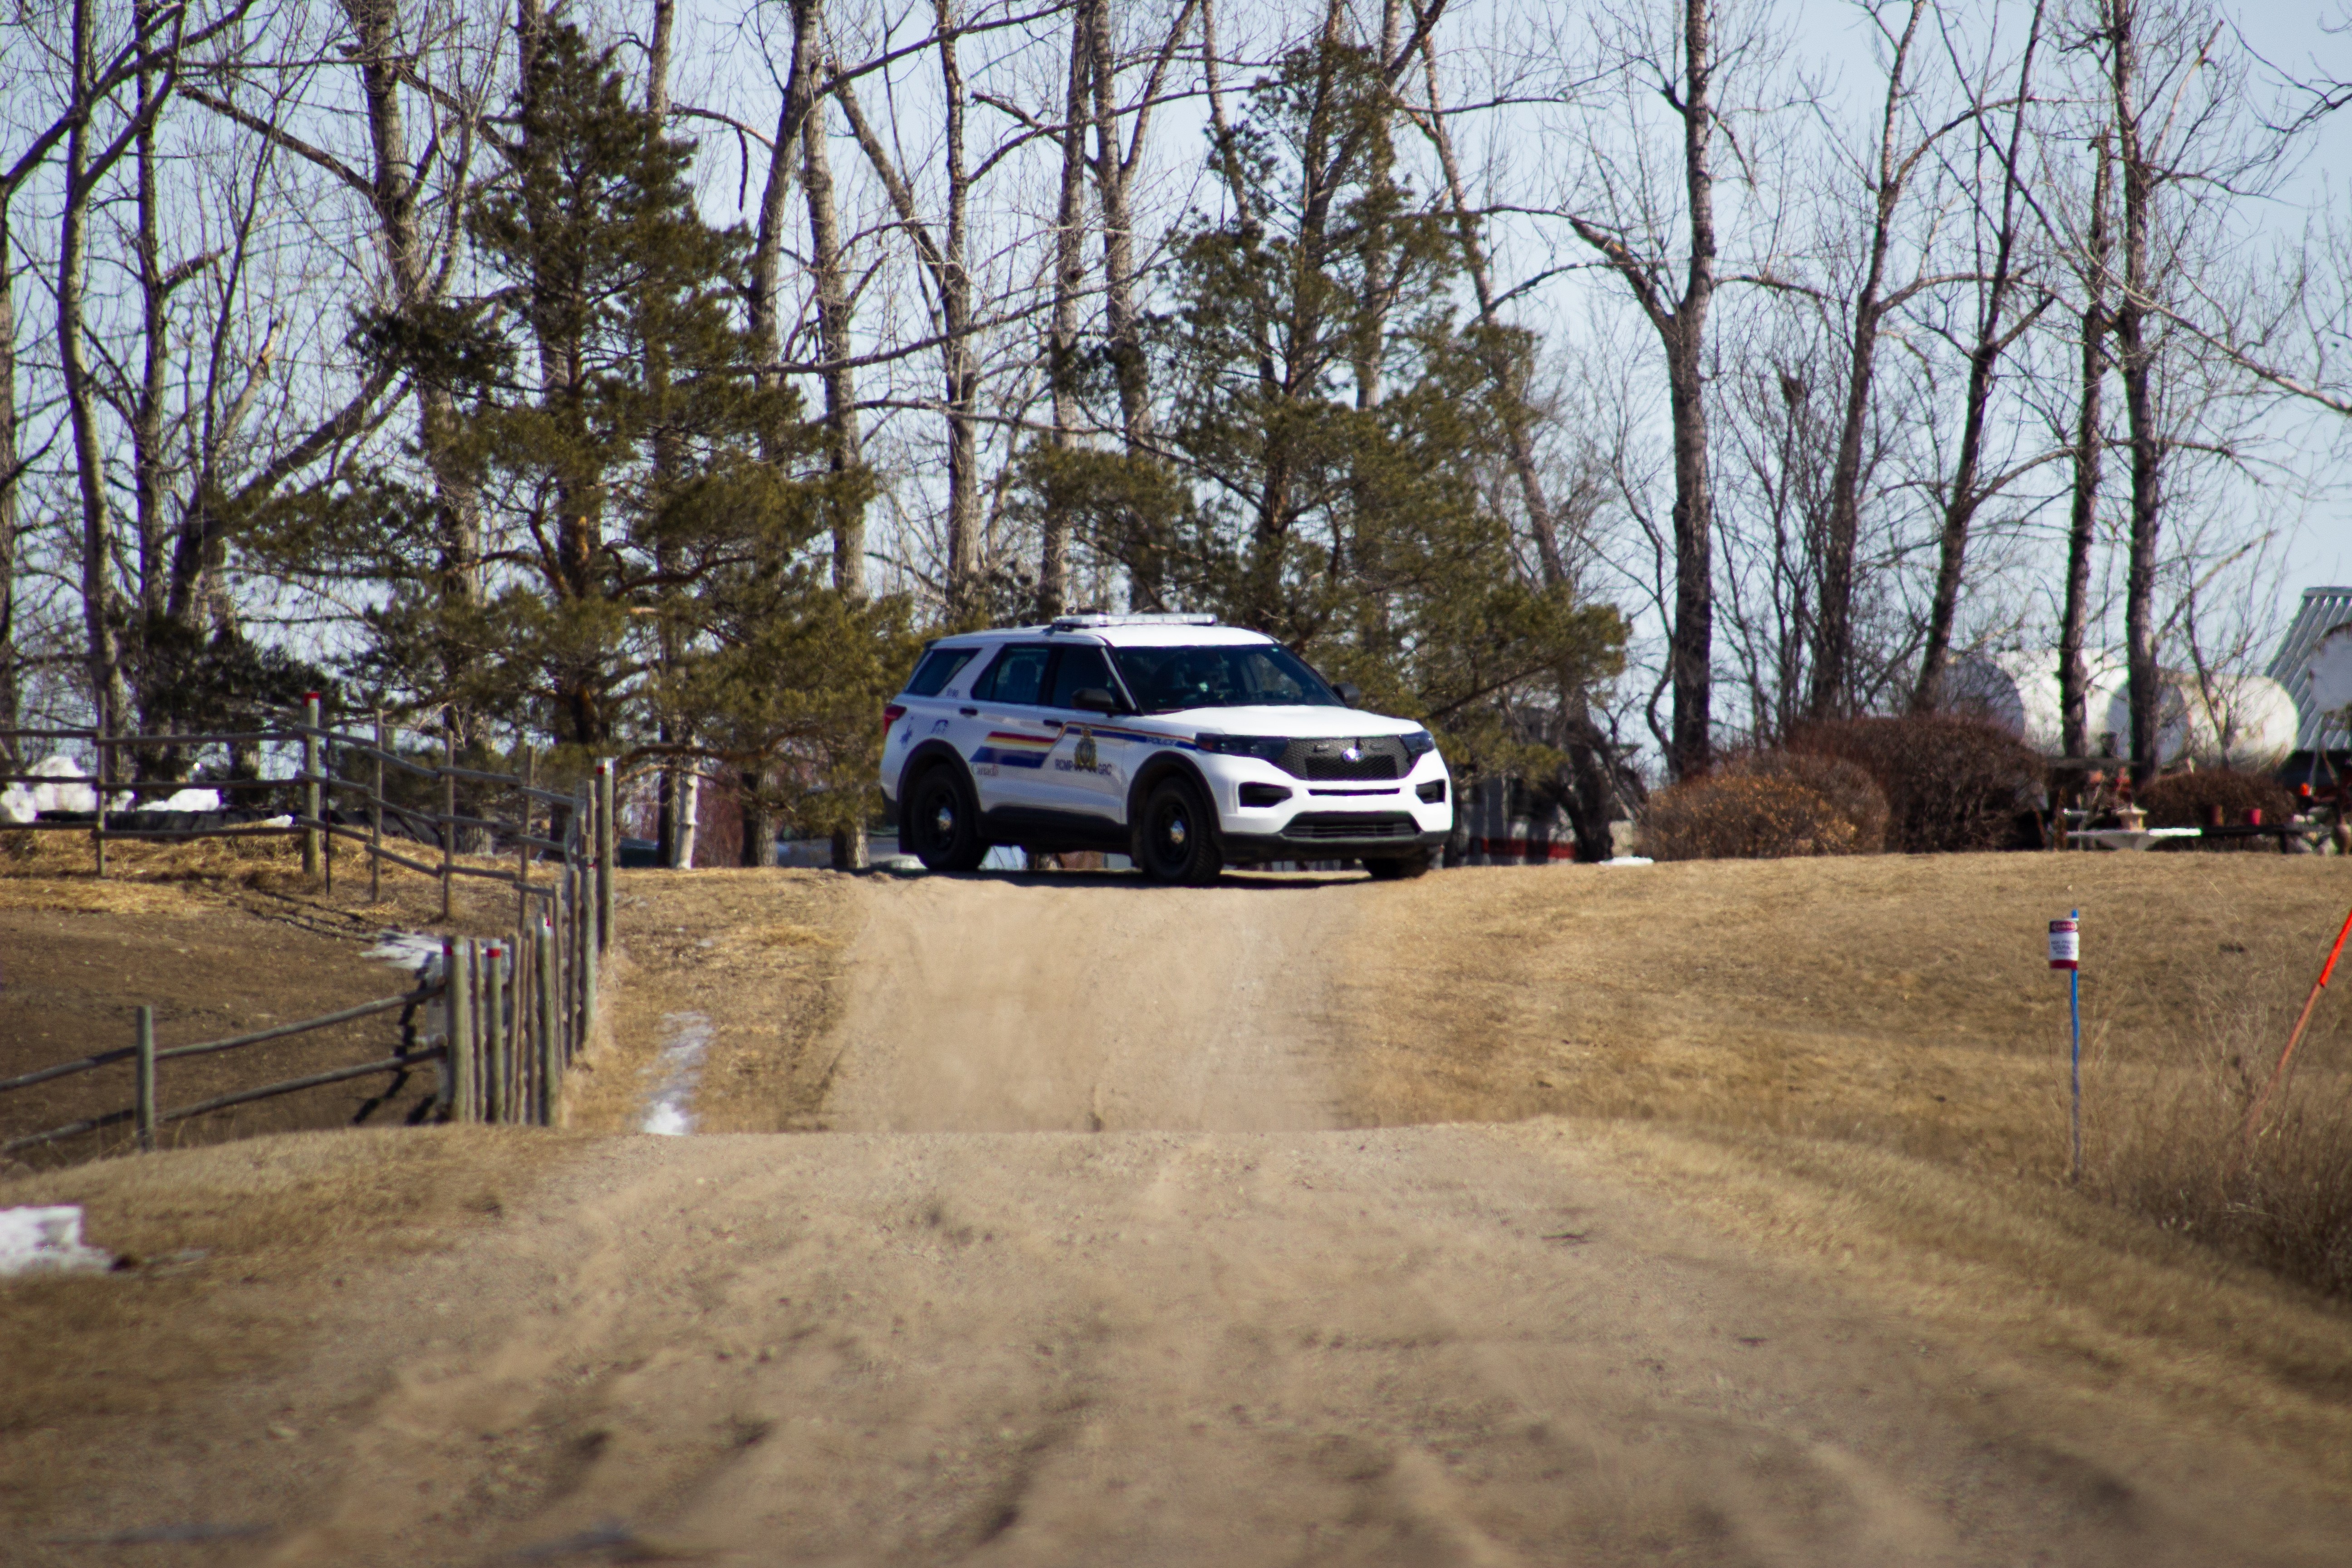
x: 105, y: 761
x: 448, y: 810
x: 608, y: 850
x: 592, y: 938
x: 146, y: 1113
x: 376, y: 818
x: 522, y: 848
x: 459, y: 1002
x: 497, y: 1078
x: 550, y: 1058
x: 310, y: 784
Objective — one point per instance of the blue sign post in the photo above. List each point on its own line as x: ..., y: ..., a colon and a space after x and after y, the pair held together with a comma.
x: 2066, y: 953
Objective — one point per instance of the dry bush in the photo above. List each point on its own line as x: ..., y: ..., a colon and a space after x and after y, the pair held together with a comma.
x: 1732, y: 817
x: 1951, y: 783
x: 2180, y: 800
x: 1853, y: 792
x: 2167, y: 1141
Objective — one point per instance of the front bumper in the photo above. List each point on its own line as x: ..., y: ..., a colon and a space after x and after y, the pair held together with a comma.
x: 1253, y: 848
x: 1327, y: 821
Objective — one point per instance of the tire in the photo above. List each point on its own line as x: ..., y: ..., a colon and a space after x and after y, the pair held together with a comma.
x: 1397, y: 868
x: 1176, y: 837
x: 942, y: 823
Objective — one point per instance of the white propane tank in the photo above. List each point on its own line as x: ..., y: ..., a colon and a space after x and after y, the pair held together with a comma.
x: 2019, y: 692
x: 2246, y: 721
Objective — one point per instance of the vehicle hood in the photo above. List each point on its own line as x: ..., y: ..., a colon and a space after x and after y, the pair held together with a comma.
x: 1301, y: 723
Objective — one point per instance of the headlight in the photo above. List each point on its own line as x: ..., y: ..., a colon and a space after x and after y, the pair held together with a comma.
x: 1419, y: 743
x: 1266, y: 747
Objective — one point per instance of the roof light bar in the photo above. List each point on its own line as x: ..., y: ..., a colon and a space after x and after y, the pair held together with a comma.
x: 1077, y: 623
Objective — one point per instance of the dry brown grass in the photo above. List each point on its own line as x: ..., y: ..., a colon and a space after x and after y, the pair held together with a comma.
x: 1903, y: 1001
x: 700, y: 941
x: 2166, y: 1138
x: 1862, y: 1062
x: 282, y: 1225
x: 57, y: 871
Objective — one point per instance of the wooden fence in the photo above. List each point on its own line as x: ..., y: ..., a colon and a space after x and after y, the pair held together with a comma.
x: 513, y: 1011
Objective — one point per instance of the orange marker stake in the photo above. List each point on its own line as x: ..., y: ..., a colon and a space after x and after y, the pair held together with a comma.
x: 2278, y: 1073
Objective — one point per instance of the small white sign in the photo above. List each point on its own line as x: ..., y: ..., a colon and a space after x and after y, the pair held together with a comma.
x: 2065, y: 945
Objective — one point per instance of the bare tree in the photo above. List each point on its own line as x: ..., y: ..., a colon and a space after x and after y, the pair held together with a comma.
x: 2088, y: 457
x: 1628, y: 226
x: 942, y: 246
x: 1602, y: 784
x: 2154, y: 52
x: 1899, y: 147
x: 1999, y: 276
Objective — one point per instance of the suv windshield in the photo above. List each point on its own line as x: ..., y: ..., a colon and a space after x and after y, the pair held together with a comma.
x: 1164, y: 680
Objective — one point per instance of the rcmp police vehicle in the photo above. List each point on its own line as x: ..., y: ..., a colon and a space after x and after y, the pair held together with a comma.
x: 1186, y: 745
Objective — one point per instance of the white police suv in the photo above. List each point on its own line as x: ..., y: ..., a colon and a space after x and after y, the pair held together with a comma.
x: 1184, y: 744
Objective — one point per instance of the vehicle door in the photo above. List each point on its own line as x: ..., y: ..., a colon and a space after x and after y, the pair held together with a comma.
x: 1015, y: 735
x: 928, y: 708
x: 1089, y: 766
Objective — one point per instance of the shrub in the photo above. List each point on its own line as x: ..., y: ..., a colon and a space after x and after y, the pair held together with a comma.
x: 1852, y: 792
x: 1733, y: 817
x: 1952, y: 782
x: 2179, y: 800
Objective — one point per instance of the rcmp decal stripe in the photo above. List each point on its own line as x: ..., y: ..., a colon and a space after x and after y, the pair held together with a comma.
x: 1010, y: 759
x: 1101, y: 732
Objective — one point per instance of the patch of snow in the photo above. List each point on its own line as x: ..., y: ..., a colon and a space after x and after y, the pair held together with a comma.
x: 416, y: 952
x: 686, y: 1040
x: 287, y: 821
x: 1627, y: 860
x: 47, y: 1241
x: 70, y: 794
x: 191, y: 800
x: 17, y: 805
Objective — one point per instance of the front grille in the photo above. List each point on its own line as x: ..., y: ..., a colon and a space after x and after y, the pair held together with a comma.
x: 1377, y: 757
x: 1322, y: 825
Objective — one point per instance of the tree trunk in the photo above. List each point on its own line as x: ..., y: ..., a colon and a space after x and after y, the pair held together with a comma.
x: 10, y: 477
x: 1680, y: 323
x: 658, y: 59
x: 844, y: 444
x: 1832, y: 684
x: 457, y: 569
x: 2134, y: 360
x: 1114, y: 172
x: 1062, y: 343
x: 2082, y: 529
x: 110, y: 698
x: 961, y: 371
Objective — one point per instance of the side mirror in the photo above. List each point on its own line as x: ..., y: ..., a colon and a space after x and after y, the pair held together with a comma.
x: 1350, y: 692
x: 1093, y: 699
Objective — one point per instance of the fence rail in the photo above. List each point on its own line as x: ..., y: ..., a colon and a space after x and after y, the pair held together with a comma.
x: 515, y: 1010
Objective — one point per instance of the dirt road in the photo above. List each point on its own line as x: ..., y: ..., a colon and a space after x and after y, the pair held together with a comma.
x: 1090, y: 1268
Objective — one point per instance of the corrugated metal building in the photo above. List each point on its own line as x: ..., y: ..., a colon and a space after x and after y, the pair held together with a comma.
x: 2322, y: 610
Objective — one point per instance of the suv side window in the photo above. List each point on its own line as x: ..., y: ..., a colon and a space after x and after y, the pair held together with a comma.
x: 1018, y: 675
x: 938, y: 667
x: 1080, y: 667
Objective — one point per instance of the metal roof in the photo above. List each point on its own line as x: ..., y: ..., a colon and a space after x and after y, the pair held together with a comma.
x: 2322, y: 610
